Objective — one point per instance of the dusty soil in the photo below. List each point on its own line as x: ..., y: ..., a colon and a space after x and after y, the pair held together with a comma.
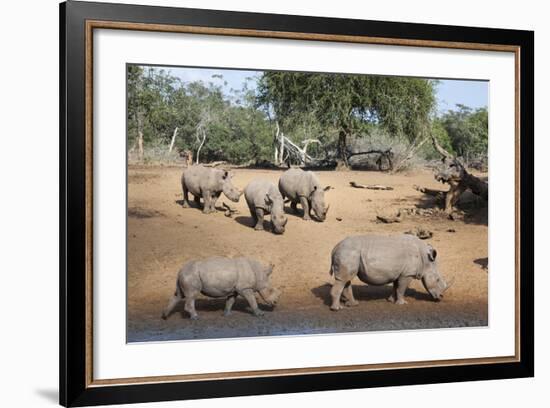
x: 162, y: 236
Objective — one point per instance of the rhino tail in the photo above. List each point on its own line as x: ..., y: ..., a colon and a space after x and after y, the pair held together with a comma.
x: 179, y: 289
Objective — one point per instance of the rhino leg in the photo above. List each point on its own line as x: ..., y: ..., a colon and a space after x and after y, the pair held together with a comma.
x: 259, y: 219
x: 305, y: 206
x: 252, y: 212
x: 190, y: 308
x: 393, y: 296
x: 348, y: 296
x: 215, y: 197
x: 207, y: 197
x: 336, y: 293
x: 197, y: 200
x: 402, y: 285
x: 172, y: 303
x: 185, y: 196
x: 248, y: 294
x: 229, y: 304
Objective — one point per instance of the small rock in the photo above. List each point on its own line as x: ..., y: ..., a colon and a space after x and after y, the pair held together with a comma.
x: 338, y: 219
x: 451, y: 230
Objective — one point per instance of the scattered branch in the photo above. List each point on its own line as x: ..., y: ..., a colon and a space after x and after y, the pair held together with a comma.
x: 389, y: 219
x: 370, y: 187
x: 228, y: 210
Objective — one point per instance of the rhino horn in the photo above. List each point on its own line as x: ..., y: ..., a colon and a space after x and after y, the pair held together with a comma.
x: 284, y: 223
x: 326, y: 209
x: 449, y: 284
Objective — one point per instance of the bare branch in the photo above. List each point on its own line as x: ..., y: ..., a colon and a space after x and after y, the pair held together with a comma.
x: 440, y: 149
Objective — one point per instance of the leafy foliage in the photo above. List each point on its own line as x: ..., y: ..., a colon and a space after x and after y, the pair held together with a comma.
x: 346, y: 113
x: 344, y: 103
x: 468, y: 131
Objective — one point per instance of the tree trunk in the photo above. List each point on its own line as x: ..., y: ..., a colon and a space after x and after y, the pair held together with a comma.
x: 342, y: 161
x: 281, y: 147
x: 200, y: 147
x: 140, y: 137
x: 276, y: 145
x: 173, y: 140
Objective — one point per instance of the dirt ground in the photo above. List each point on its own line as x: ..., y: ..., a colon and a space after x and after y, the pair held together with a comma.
x: 162, y: 236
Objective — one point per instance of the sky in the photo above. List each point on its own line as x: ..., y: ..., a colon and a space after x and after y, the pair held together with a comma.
x: 450, y: 92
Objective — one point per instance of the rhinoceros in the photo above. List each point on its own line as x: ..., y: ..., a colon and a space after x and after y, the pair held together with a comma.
x: 263, y: 197
x: 219, y: 277
x: 304, y: 187
x: 379, y: 260
x: 208, y: 183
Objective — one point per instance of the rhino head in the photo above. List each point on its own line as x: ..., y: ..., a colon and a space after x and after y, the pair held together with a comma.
x: 433, y: 282
x: 229, y: 190
x: 269, y: 294
x: 451, y: 171
x: 278, y: 217
x: 317, y: 199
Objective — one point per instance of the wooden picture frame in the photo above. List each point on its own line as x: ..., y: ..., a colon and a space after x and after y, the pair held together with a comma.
x: 78, y: 20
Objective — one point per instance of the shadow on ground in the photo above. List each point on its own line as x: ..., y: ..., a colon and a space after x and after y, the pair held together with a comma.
x: 366, y: 292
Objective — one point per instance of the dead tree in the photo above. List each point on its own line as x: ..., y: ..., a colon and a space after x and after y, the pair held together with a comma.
x: 412, y: 151
x: 289, y: 150
x: 453, y: 173
x: 173, y: 140
x: 200, y: 131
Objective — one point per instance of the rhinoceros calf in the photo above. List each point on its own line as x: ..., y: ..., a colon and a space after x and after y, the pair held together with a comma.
x: 207, y: 183
x: 305, y: 188
x: 263, y: 197
x: 223, y: 278
x: 379, y: 260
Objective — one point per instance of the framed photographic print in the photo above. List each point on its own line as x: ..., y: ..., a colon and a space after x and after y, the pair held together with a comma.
x: 256, y: 204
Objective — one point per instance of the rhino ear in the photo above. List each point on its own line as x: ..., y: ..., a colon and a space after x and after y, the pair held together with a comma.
x: 268, y: 199
x: 432, y: 253
x: 270, y: 269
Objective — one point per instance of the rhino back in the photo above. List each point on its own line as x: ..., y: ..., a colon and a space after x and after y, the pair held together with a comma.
x: 198, y: 178
x: 218, y: 276
x: 294, y: 183
x: 256, y: 191
x: 382, y: 259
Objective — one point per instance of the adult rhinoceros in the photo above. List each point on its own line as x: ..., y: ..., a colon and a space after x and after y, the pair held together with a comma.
x: 379, y: 260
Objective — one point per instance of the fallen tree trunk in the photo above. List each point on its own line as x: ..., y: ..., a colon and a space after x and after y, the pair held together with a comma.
x: 214, y: 164
x: 434, y: 193
x: 370, y: 187
x: 453, y: 173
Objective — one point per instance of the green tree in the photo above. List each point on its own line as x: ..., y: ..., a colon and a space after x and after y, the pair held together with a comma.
x: 468, y: 131
x: 341, y: 103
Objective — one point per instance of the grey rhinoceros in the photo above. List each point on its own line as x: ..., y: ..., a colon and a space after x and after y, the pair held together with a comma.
x: 207, y: 183
x: 379, y: 260
x: 263, y: 197
x: 305, y: 188
x: 219, y: 277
